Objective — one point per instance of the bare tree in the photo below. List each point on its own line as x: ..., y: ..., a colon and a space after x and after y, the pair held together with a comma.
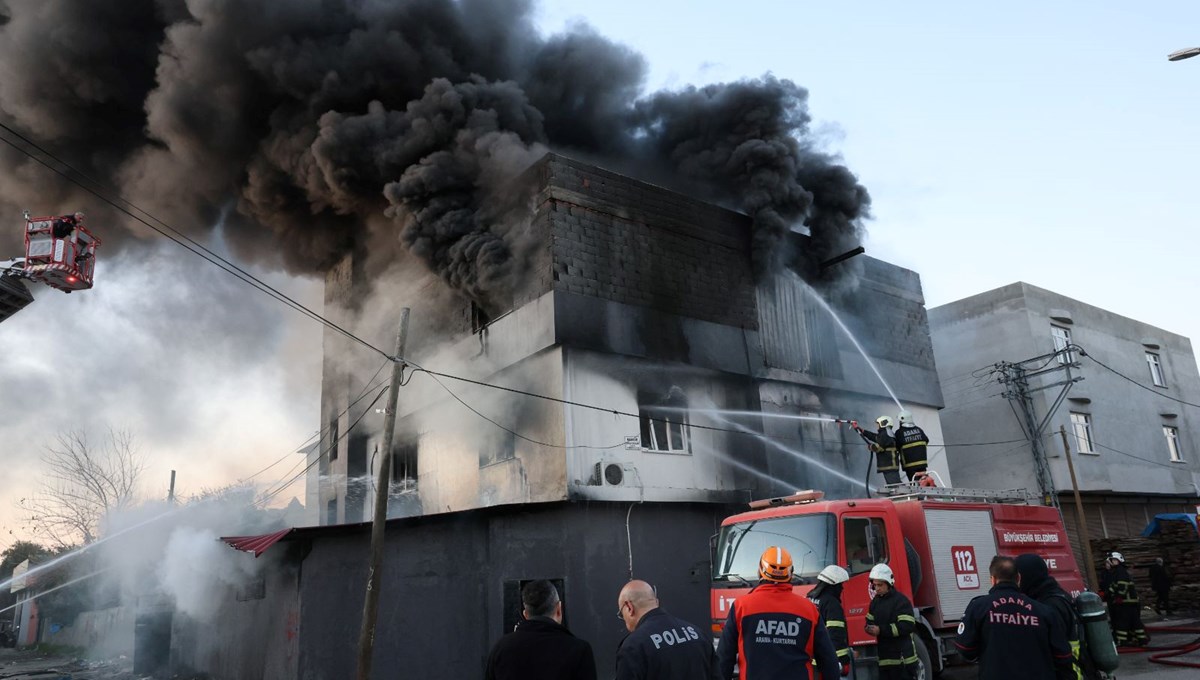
x: 82, y: 484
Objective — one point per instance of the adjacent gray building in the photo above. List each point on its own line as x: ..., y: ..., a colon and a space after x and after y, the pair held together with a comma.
x: 1136, y: 448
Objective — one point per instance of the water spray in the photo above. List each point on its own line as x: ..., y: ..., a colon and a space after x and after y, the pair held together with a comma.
x: 57, y: 587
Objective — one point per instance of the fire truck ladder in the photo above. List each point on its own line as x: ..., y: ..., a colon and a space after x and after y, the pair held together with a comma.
x: 915, y: 492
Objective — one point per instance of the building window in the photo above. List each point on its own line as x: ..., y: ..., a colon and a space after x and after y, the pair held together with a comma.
x: 404, y: 466
x: 1156, y: 371
x: 664, y: 422
x: 1081, y: 423
x: 334, y: 435
x: 1062, y: 340
x: 498, y: 450
x: 331, y: 511
x: 1172, y: 435
x: 479, y: 317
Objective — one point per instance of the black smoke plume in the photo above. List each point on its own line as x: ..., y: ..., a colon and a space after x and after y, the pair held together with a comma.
x: 302, y: 121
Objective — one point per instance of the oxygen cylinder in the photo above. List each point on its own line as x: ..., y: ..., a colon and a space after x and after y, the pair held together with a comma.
x: 1094, y: 617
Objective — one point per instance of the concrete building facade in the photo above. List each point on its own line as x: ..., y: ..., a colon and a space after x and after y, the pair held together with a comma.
x: 687, y: 380
x: 1136, y: 448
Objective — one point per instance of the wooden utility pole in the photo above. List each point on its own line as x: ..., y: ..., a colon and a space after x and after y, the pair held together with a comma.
x: 171, y: 490
x: 366, y: 637
x: 1083, y: 528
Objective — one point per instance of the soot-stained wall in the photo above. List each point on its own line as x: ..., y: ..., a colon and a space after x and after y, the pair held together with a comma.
x: 442, y: 602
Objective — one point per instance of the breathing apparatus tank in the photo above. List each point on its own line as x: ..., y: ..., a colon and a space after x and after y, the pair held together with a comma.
x: 1094, y: 617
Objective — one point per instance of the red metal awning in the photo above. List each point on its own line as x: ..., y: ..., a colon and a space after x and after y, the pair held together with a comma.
x: 255, y: 544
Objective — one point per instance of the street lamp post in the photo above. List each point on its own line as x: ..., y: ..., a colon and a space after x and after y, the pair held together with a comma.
x: 1186, y: 53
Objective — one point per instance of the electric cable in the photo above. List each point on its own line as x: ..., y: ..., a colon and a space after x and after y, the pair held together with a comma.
x: 1105, y: 366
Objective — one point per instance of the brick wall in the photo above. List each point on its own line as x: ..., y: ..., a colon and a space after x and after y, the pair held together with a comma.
x: 627, y: 241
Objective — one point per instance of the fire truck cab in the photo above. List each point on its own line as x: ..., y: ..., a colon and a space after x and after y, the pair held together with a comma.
x: 938, y: 542
x: 60, y: 252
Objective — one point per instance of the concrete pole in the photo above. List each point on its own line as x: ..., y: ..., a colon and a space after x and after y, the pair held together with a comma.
x: 171, y: 490
x: 366, y: 637
x: 1083, y: 528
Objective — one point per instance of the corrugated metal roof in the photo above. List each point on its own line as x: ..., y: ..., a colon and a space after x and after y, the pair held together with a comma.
x: 256, y: 544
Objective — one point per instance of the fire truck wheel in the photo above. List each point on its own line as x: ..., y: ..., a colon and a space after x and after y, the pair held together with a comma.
x: 925, y: 668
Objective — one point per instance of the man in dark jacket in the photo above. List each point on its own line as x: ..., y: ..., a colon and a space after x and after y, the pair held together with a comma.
x: 660, y: 646
x: 1124, y: 608
x: 827, y: 595
x: 541, y: 648
x: 887, y: 460
x: 1011, y: 635
x: 890, y: 619
x: 772, y: 633
x: 1036, y: 582
x: 913, y: 446
x: 1160, y: 581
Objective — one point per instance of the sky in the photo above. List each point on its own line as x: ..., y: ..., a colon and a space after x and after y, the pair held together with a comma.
x: 1051, y: 143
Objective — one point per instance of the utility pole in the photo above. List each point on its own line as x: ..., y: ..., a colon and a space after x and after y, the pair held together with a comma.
x: 1082, y: 521
x: 1015, y: 376
x: 171, y: 490
x: 366, y: 637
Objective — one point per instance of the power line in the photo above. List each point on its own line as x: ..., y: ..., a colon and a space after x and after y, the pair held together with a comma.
x: 1083, y: 352
x: 1144, y: 460
x: 170, y: 232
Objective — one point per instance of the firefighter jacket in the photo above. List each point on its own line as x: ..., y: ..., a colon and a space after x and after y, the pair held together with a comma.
x: 912, y: 444
x: 664, y: 647
x: 893, y: 613
x: 775, y: 634
x: 884, y: 446
x: 828, y: 599
x: 1118, y: 587
x: 1037, y: 583
x: 1013, y: 636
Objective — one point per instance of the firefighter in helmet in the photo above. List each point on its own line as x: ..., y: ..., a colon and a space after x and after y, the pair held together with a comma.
x: 772, y: 633
x: 828, y: 597
x: 1120, y: 592
x: 912, y: 445
x: 890, y: 619
x: 883, y: 443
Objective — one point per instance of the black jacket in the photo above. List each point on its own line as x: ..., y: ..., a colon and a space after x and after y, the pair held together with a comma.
x: 1037, y: 583
x: 893, y: 613
x: 1014, y: 636
x: 1118, y: 586
x: 663, y: 647
x: 912, y: 443
x: 541, y: 649
x: 829, y: 602
x: 884, y: 447
x: 1160, y: 578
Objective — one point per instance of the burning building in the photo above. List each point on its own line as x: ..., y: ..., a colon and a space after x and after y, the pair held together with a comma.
x: 682, y: 383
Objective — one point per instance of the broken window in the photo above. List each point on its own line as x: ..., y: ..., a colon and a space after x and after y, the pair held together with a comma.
x: 498, y: 449
x: 664, y: 421
x: 331, y: 511
x: 479, y: 317
x: 404, y: 465
x: 334, y: 436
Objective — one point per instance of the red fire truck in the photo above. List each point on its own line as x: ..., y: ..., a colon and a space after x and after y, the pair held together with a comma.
x: 938, y: 542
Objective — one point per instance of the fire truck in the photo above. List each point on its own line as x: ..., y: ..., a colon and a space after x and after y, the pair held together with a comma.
x: 60, y: 251
x: 938, y: 541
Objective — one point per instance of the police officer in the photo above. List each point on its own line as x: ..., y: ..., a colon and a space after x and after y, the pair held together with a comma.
x: 1036, y: 582
x: 827, y: 595
x: 1121, y: 594
x: 772, y: 633
x: 1011, y: 635
x: 912, y: 444
x: 887, y: 462
x: 660, y: 646
x: 890, y: 619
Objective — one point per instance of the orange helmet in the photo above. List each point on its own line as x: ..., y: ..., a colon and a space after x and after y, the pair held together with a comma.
x: 775, y: 565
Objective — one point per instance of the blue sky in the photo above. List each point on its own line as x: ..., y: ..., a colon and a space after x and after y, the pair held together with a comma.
x: 1046, y: 142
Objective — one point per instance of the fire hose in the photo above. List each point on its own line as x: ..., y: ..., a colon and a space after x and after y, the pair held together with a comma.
x: 1165, y: 654
x: 870, y: 461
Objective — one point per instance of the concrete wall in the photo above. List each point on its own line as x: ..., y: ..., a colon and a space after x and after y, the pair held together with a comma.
x: 105, y: 633
x: 1014, y: 323
x: 442, y: 604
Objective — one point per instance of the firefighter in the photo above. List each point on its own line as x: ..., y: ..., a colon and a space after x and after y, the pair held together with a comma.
x: 1121, y: 594
x: 1011, y: 635
x: 912, y: 445
x: 884, y: 446
x: 890, y: 619
x: 1036, y: 582
x: 828, y: 597
x: 772, y: 633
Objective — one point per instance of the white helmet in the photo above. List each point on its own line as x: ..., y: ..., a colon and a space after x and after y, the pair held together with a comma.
x: 884, y: 421
x: 1116, y: 556
x: 905, y: 417
x: 882, y: 572
x: 833, y: 575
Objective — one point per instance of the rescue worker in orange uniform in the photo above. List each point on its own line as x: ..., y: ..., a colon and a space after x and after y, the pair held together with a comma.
x: 772, y: 633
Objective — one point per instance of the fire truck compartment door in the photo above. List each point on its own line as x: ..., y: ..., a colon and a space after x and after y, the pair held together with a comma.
x: 962, y: 545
